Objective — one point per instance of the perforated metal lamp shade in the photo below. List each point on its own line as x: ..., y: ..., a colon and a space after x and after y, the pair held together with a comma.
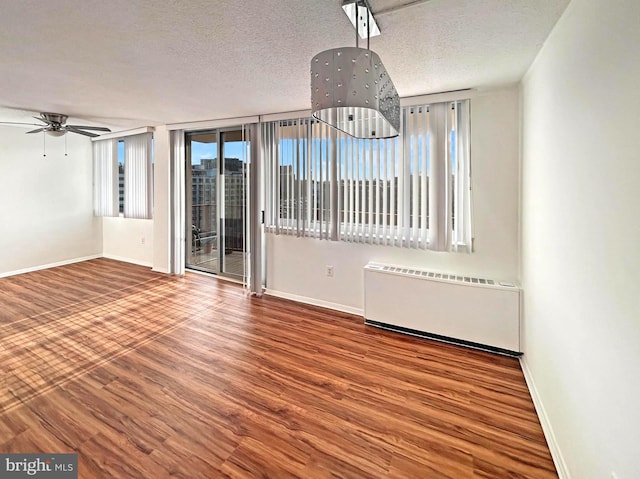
x: 352, y: 91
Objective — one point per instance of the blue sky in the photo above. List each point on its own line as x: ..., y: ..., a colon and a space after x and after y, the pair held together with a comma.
x: 120, y: 152
x: 200, y: 151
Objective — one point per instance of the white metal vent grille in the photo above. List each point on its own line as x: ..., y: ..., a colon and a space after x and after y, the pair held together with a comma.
x: 438, y: 276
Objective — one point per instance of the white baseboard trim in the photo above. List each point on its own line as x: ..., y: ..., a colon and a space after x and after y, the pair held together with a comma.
x: 554, y: 448
x: 127, y: 260
x: 315, y: 302
x: 49, y: 265
x: 160, y: 270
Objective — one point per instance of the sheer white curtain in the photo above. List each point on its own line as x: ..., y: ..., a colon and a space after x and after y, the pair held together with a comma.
x: 105, y: 178
x: 138, y: 178
x: 412, y: 191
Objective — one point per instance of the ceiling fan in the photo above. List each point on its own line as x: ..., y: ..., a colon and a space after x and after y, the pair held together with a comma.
x: 55, y: 124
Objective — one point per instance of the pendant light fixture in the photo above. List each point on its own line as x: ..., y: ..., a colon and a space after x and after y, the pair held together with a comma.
x: 350, y: 87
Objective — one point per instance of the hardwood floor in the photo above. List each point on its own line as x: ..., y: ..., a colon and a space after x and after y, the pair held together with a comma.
x: 150, y: 376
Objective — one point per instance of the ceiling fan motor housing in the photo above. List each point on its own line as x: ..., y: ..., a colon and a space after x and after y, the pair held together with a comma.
x: 54, y: 118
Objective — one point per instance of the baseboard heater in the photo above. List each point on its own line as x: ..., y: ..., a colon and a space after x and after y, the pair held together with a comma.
x: 474, y: 312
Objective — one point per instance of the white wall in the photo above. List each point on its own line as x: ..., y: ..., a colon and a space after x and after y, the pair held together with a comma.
x: 161, y: 204
x: 296, y: 266
x: 128, y: 239
x: 46, y: 203
x: 581, y: 233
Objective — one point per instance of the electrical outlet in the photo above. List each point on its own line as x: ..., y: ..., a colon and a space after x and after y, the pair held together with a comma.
x: 329, y: 271
x: 142, y: 240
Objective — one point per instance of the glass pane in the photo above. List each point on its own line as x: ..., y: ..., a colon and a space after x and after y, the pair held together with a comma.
x: 235, y: 151
x: 202, y: 216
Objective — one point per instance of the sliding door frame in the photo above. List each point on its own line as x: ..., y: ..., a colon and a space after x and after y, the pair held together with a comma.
x: 251, y: 214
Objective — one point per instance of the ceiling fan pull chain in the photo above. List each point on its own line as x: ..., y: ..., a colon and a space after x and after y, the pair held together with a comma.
x: 44, y: 144
x: 65, y: 145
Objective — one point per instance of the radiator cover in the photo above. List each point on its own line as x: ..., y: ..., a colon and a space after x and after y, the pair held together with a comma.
x: 477, y: 312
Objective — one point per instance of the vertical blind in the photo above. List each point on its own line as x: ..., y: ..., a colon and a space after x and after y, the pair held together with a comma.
x: 411, y: 191
x: 105, y: 178
x: 138, y: 186
x: 177, y: 202
x: 138, y: 177
x: 296, y: 160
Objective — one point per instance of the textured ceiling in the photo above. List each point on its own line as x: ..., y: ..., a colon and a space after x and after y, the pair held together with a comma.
x: 130, y: 63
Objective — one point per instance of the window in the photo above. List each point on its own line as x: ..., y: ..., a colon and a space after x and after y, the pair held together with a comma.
x: 298, y: 183
x: 123, y: 176
x: 138, y: 178
x: 410, y: 191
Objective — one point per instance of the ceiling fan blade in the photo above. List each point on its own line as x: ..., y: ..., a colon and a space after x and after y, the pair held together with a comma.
x: 80, y: 132
x: 18, y: 123
x: 97, y: 128
x: 36, y: 131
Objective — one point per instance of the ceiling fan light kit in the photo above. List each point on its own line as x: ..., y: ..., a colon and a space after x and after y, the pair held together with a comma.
x: 351, y: 89
x: 55, y: 132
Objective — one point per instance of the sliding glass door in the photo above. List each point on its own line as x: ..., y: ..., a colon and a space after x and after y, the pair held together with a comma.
x: 201, y: 200
x: 233, y: 175
x: 216, y: 192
